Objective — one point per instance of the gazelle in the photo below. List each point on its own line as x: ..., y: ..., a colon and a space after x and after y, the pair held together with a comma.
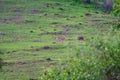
x: 60, y: 38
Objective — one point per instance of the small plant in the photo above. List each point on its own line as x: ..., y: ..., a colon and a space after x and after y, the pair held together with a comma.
x: 87, y: 66
x: 1, y: 61
x: 116, y: 8
x: 116, y: 25
x: 77, y: 69
x: 110, y: 48
x: 116, y: 12
x: 99, y: 61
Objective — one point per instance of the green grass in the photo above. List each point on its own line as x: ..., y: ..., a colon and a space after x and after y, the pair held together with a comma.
x: 20, y: 45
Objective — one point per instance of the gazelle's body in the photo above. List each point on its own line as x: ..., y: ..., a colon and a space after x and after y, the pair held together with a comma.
x: 60, y: 38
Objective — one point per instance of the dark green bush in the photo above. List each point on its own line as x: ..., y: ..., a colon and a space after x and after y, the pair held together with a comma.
x: 78, y: 69
x: 99, y: 61
x: 1, y: 61
x: 116, y: 8
x: 111, y: 47
x: 116, y: 12
x: 111, y: 55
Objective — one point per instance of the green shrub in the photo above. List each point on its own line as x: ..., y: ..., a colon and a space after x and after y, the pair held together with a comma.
x: 77, y: 69
x: 110, y: 48
x: 100, y: 60
x: 86, y: 66
x: 116, y: 8
x: 1, y: 61
x: 116, y: 12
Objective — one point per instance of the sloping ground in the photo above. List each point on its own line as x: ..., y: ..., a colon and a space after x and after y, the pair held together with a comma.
x: 29, y: 28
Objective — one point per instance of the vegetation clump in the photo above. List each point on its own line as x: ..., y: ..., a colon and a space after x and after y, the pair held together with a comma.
x: 99, y: 61
x: 1, y: 61
x: 116, y: 12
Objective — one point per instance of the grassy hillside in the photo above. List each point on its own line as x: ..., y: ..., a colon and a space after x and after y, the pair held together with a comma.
x: 28, y: 29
